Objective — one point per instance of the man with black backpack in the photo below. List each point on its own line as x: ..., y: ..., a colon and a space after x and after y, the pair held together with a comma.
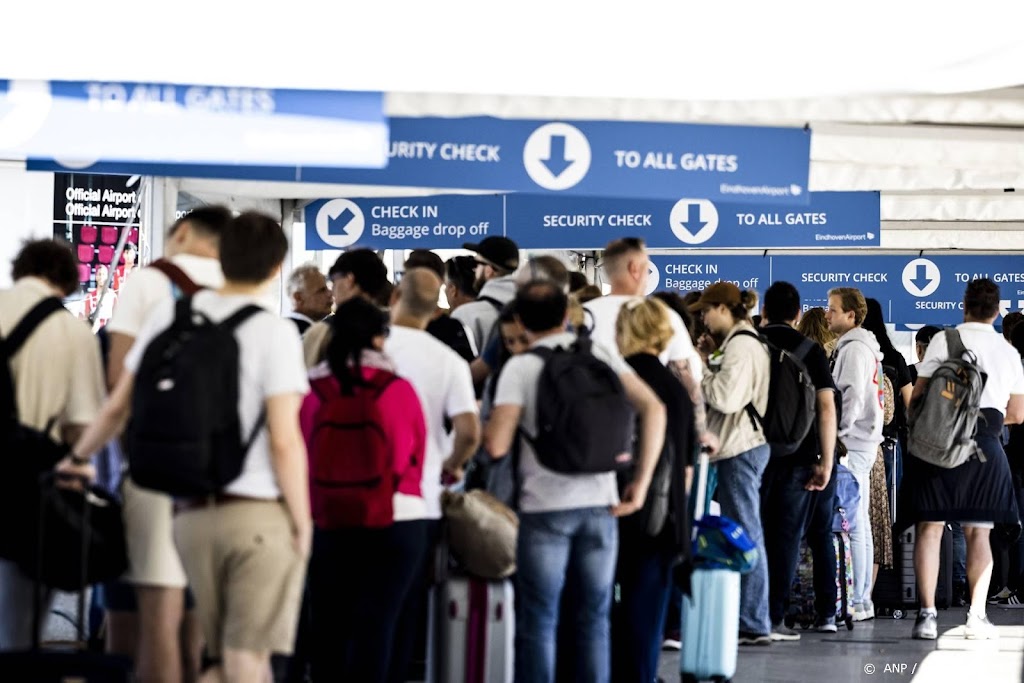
x: 54, y: 388
x: 150, y: 614
x: 573, y: 406
x: 213, y: 385
x: 796, y: 470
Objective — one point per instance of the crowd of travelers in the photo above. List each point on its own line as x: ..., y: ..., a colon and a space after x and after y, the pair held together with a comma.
x: 368, y: 387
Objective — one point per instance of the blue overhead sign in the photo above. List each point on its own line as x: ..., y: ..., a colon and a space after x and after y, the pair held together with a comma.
x: 691, y: 272
x: 544, y: 222
x: 736, y: 164
x: 141, y: 126
x: 438, y: 222
x: 927, y: 290
x: 831, y: 219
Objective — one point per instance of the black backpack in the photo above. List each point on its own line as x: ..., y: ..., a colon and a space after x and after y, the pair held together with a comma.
x: 584, y: 419
x: 27, y: 452
x: 185, y: 437
x: 791, y: 398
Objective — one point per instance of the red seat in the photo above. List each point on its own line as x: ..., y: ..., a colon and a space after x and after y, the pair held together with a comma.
x: 86, y: 252
x: 88, y: 234
x: 106, y: 254
x: 108, y: 235
x: 84, y: 272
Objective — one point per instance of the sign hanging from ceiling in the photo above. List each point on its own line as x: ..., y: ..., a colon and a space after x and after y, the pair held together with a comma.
x: 832, y: 219
x: 594, y: 158
x: 81, y: 123
x: 733, y: 164
x: 912, y: 290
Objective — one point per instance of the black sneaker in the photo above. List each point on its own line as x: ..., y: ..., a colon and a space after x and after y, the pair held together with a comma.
x: 748, y: 638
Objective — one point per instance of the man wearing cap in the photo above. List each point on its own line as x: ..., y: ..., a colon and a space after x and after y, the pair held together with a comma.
x: 496, y: 259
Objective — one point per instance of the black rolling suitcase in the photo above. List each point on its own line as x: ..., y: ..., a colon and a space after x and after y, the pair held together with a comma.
x: 896, y: 588
x: 74, y: 663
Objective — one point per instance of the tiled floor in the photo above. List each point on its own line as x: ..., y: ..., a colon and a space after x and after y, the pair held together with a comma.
x: 881, y: 650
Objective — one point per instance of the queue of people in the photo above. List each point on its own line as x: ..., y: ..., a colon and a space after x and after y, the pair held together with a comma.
x: 353, y: 414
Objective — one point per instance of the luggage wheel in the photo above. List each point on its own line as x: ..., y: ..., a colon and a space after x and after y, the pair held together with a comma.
x: 897, y: 614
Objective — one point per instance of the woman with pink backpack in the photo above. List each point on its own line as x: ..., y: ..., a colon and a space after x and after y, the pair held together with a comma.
x: 366, y: 438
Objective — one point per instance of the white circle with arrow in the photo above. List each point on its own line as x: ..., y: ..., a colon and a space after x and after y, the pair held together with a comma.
x: 693, y: 221
x: 340, y: 223
x: 557, y: 156
x: 921, y: 277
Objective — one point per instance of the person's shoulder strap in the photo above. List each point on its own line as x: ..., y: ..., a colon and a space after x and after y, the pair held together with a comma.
x: 492, y: 301
x: 176, y: 275
x: 803, y: 349
x: 545, y: 352
x: 28, y: 324
x: 240, y: 316
x: 955, y: 344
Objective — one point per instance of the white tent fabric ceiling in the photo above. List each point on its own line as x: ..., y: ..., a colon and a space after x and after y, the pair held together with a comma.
x: 919, y: 100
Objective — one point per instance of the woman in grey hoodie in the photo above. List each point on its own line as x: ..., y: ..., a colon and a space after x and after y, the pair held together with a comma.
x: 857, y: 371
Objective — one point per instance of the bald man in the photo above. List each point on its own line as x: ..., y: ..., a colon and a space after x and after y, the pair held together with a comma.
x: 442, y: 381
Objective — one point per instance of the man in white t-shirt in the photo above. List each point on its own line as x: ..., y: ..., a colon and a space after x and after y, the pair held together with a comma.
x: 626, y: 269
x: 977, y: 494
x: 567, y: 527
x: 155, y: 626
x: 244, y: 549
x: 442, y: 382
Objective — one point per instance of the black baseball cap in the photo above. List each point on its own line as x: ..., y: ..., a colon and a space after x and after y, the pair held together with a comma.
x: 500, y: 252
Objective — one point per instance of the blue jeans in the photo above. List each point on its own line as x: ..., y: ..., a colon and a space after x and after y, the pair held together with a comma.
x: 861, y: 541
x: 784, y: 507
x: 578, y: 546
x: 739, y: 493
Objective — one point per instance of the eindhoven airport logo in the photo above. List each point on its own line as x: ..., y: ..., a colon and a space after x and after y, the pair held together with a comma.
x: 24, y: 107
x: 694, y: 221
x: 340, y: 223
x: 557, y: 156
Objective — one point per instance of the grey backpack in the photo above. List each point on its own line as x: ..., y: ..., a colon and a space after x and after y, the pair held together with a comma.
x: 944, y: 420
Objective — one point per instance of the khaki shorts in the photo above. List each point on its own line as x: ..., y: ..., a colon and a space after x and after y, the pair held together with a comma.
x: 245, y: 573
x: 148, y: 524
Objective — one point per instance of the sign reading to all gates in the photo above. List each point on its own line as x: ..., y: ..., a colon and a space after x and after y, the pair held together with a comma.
x: 80, y: 123
x: 437, y: 222
x: 832, y: 219
x: 735, y: 164
x: 594, y: 158
x: 565, y: 222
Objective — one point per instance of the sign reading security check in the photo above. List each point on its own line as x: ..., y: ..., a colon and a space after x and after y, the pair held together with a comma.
x: 832, y: 219
x: 593, y: 158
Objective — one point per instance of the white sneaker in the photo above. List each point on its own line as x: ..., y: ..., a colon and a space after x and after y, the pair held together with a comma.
x: 980, y: 628
x: 864, y: 611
